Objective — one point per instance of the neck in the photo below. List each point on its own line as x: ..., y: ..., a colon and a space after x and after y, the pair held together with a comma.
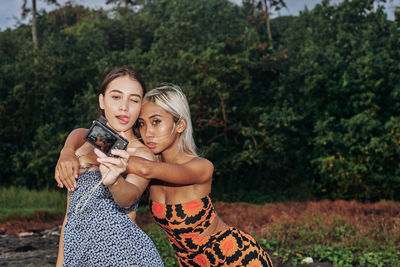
x: 129, y: 135
x: 172, y: 154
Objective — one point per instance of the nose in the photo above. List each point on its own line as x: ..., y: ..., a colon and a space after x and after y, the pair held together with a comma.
x: 124, y: 106
x: 148, y: 131
x: 143, y: 131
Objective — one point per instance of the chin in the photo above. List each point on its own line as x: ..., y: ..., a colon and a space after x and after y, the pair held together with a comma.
x: 122, y: 129
x: 126, y: 129
x: 155, y: 151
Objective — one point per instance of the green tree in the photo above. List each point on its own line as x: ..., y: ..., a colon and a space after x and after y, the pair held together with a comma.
x: 315, y: 117
x: 342, y: 61
x: 33, y: 10
x: 263, y: 10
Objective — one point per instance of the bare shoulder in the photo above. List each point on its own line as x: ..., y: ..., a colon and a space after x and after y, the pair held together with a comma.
x: 202, y: 164
x: 79, y: 131
x: 140, y: 150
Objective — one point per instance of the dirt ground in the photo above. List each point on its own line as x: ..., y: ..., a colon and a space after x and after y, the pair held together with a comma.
x: 35, y: 242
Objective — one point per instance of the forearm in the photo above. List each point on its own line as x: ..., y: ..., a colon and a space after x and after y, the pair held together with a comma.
x: 124, y: 193
x: 74, y: 140
x: 179, y: 174
x: 140, y: 166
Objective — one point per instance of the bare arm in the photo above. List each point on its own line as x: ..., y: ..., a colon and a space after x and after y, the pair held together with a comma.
x: 68, y: 164
x: 196, y: 171
x: 125, y: 191
x: 75, y: 139
x: 60, y: 257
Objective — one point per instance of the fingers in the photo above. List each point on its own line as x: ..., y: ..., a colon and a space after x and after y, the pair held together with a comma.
x: 117, y: 152
x: 120, y: 153
x: 57, y: 177
x: 123, y: 157
x: 110, y: 167
x: 109, y: 160
x: 99, y: 153
x: 75, y: 169
x: 65, y: 177
x: 70, y: 174
x: 67, y: 171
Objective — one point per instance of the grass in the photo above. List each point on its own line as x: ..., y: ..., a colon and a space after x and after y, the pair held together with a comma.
x: 341, y: 233
x: 21, y: 203
x: 161, y: 241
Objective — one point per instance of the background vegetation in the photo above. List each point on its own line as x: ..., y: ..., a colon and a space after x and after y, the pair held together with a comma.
x: 311, y: 112
x: 334, y: 233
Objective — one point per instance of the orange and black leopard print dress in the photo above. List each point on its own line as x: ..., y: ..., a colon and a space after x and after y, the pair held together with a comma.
x: 183, y: 224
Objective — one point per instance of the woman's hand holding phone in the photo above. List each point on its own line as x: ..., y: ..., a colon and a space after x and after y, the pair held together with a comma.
x: 110, y: 167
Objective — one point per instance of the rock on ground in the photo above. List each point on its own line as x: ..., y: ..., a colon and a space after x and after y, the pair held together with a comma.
x: 30, y: 248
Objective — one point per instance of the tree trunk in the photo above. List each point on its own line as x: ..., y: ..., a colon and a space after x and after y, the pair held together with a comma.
x: 34, y: 25
x: 268, y: 23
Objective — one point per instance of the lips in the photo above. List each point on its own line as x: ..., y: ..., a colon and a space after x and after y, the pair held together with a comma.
x: 151, y: 145
x: 123, y: 119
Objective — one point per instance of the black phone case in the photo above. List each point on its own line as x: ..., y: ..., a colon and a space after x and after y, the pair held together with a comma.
x: 120, y: 142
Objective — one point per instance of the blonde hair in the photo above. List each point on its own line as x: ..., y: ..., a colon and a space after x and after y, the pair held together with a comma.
x: 171, y: 99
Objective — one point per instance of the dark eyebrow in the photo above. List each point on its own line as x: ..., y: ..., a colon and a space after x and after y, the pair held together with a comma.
x: 118, y: 91
x: 151, y: 117
x: 155, y: 115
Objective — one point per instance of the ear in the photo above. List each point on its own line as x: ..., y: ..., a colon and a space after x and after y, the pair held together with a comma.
x: 101, y: 101
x: 181, y: 126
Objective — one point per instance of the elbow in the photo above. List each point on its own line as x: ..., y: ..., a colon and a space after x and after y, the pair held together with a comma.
x: 128, y: 200
x: 127, y: 204
x: 207, y: 173
x: 125, y: 200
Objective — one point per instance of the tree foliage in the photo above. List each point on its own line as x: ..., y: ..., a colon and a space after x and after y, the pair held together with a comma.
x: 316, y: 117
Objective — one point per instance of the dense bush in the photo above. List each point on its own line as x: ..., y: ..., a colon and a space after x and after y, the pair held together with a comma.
x: 315, y: 117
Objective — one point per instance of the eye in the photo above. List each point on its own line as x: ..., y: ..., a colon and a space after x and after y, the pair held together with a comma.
x: 140, y: 123
x: 115, y: 97
x: 156, y: 121
x: 134, y: 100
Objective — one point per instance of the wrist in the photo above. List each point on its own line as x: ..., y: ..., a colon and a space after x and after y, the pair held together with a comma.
x: 115, y: 182
x: 67, y: 150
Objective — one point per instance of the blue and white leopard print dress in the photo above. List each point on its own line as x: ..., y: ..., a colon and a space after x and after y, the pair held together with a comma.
x: 101, y: 234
